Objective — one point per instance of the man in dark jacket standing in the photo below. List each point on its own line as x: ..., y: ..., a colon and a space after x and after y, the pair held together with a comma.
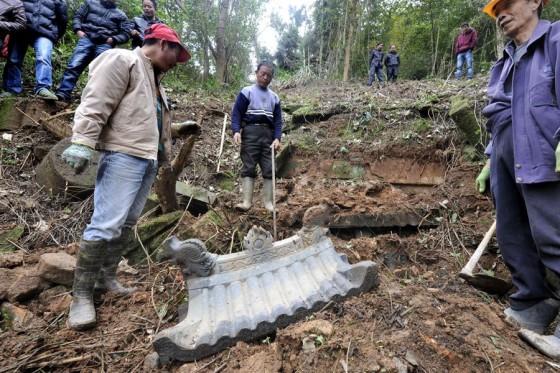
x: 376, y: 64
x: 12, y: 18
x: 144, y: 21
x: 46, y: 23
x: 100, y: 25
x: 524, y: 167
x: 464, y: 45
x: 392, y: 63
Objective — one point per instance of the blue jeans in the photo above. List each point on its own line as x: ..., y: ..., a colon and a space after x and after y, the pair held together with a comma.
x: 43, y: 68
x: 121, y: 190
x: 84, y: 53
x: 463, y: 57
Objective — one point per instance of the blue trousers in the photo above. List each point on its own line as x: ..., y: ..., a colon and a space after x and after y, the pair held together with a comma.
x: 43, y: 68
x: 84, y: 53
x: 121, y: 189
x: 392, y: 73
x: 462, y: 58
x: 528, y: 225
x: 375, y: 71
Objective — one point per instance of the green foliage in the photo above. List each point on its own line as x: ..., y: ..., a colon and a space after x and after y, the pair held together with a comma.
x: 422, y: 126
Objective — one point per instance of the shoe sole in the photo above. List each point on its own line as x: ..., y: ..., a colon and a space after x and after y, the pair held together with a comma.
x: 81, y: 327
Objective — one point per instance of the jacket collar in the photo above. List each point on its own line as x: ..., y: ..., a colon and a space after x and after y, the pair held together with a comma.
x: 542, y: 28
x: 108, y: 4
x: 150, y: 69
x: 148, y: 64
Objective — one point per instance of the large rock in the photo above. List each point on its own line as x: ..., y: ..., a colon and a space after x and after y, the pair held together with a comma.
x: 57, y: 268
x: 463, y: 114
x: 7, y: 279
x: 197, y: 198
x: 11, y: 260
x: 19, y: 285
x: 19, y: 318
x: 59, y: 178
x: 56, y: 300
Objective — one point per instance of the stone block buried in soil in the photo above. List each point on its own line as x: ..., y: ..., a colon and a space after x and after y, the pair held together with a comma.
x: 387, y: 219
x: 56, y: 300
x: 11, y: 260
x: 196, y: 197
x: 19, y: 318
x: 57, y: 268
x: 346, y: 170
x: 26, y: 285
x: 251, y: 293
x: 463, y: 114
x: 58, y: 177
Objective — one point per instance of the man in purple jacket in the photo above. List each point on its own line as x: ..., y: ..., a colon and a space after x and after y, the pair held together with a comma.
x: 464, y: 45
x: 524, y: 167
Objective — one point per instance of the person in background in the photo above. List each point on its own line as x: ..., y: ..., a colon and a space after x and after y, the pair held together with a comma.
x: 464, y: 45
x: 12, y: 20
x: 46, y: 24
x: 141, y: 23
x: 100, y: 26
x: 256, y: 122
x: 392, y: 63
x: 376, y: 58
x: 524, y: 167
x: 125, y: 114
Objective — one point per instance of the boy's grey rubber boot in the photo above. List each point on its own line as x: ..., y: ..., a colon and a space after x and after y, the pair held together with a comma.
x: 267, y: 194
x: 90, y: 259
x: 248, y: 183
x: 535, y: 318
x: 107, y: 279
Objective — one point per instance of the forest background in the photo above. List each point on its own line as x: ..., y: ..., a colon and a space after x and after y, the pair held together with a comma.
x: 329, y: 40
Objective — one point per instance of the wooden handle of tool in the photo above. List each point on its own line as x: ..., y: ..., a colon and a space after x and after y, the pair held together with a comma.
x: 274, y: 193
x: 222, y: 143
x: 469, y: 267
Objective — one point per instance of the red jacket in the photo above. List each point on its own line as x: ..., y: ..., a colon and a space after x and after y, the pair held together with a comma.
x: 466, y: 41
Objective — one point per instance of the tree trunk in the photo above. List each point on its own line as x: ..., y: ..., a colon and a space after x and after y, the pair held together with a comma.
x: 347, y: 53
x: 220, y: 53
x: 499, y: 43
x: 205, y: 60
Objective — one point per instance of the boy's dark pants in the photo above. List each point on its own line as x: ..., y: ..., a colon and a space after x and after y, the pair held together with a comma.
x: 255, y: 149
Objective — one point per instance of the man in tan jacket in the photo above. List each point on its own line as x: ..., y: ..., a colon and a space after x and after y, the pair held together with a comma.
x: 123, y: 113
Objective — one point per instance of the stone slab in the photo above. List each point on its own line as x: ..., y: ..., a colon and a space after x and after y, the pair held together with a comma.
x: 57, y: 268
x: 251, y: 293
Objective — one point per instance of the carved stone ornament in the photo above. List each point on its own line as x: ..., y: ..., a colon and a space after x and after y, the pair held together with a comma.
x: 258, y: 238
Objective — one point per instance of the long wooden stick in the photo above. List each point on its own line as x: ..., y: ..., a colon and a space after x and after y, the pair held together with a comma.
x: 274, y: 193
x: 467, y: 270
x: 222, y: 143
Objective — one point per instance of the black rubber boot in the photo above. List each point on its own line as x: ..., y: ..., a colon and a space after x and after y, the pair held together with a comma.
x: 90, y: 259
x: 107, y: 279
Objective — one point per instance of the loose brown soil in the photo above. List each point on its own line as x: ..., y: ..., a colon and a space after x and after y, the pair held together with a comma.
x: 407, y: 157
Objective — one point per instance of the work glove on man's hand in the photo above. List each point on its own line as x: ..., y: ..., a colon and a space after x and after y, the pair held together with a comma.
x: 78, y: 156
x: 483, y: 178
x: 558, y: 158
